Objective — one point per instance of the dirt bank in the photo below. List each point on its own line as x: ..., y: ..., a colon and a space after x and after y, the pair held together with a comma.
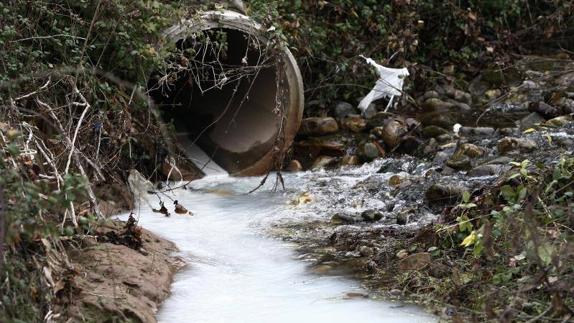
x: 119, y: 283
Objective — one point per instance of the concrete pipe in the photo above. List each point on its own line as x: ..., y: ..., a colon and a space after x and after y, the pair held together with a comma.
x: 233, y: 102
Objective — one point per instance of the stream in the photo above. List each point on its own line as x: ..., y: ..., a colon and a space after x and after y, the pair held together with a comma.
x: 237, y: 272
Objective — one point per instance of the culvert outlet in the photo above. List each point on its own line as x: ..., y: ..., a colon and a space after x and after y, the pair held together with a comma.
x: 230, y: 92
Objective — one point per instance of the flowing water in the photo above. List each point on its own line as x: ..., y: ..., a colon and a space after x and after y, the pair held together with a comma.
x: 237, y: 273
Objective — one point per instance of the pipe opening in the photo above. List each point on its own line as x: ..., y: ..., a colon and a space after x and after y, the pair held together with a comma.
x: 219, y: 91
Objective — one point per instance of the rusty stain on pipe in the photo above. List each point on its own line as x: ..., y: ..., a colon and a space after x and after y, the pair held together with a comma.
x: 236, y: 124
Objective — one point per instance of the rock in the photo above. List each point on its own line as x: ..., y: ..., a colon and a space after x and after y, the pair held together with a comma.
x: 437, y: 105
x: 430, y: 95
x: 545, y: 110
x: 412, y: 123
x: 477, y: 131
x: 366, y: 251
x: 354, y: 123
x: 402, y: 254
x: 395, y: 180
x: 349, y: 160
x: 403, y: 218
x: 493, y: 94
x: 530, y: 121
x: 317, y: 126
x: 559, y: 121
x: 371, y: 215
x: 322, y: 162
x: 415, y: 261
x: 470, y: 150
x: 343, y: 109
x: 371, y: 111
x: 392, y: 131
x: 442, y: 194
x: 341, y: 218
x: 485, y: 170
x: 434, y: 131
x: 409, y: 144
x: 369, y: 151
x: 294, y: 166
x: 508, y: 144
x: 441, y: 119
x: 459, y: 162
x: 378, y: 119
x: 395, y: 292
x: 462, y: 96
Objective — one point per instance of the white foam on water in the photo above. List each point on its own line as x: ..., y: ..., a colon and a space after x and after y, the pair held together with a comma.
x: 238, y: 274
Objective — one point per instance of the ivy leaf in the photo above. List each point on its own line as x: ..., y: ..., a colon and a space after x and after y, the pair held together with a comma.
x: 470, y: 239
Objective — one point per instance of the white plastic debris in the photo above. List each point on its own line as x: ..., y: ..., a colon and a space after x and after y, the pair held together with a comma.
x: 389, y: 84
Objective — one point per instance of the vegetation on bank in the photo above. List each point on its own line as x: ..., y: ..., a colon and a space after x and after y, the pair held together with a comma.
x: 73, y: 122
x: 505, y: 253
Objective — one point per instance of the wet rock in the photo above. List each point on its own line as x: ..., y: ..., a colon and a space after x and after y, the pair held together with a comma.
x: 378, y: 119
x: 349, y: 160
x: 434, y: 131
x: 341, y: 218
x: 415, y: 261
x: 371, y: 215
x: 485, y: 170
x: 366, y: 251
x: 492, y: 94
x: 508, y: 144
x: 392, y: 131
x: 477, y: 131
x: 371, y: 111
x: 559, y: 121
x: 441, y: 119
x: 459, y: 162
x: 395, y: 180
x: 369, y: 151
x: 462, y: 96
x: 322, y: 162
x: 530, y: 121
x: 317, y: 126
x: 441, y: 194
x: 403, y: 218
x: 343, y: 109
x: 402, y: 254
x: 354, y: 123
x: 545, y: 110
x: 395, y: 292
x: 437, y: 105
x: 430, y: 95
x: 294, y: 166
x: 409, y: 144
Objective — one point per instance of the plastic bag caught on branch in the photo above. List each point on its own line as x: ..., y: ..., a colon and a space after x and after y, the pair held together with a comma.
x: 389, y: 84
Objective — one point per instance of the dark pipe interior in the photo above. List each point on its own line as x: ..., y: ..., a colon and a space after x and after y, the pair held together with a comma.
x: 235, y: 124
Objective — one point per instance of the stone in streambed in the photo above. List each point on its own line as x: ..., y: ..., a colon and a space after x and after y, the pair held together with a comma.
x: 343, y: 109
x: 509, y: 144
x: 294, y: 166
x: 369, y: 151
x: 317, y: 126
x: 441, y: 194
x: 531, y: 120
x: 354, y: 123
x: 371, y: 215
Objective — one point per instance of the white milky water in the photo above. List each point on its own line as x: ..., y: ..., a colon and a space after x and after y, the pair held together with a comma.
x: 236, y: 273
